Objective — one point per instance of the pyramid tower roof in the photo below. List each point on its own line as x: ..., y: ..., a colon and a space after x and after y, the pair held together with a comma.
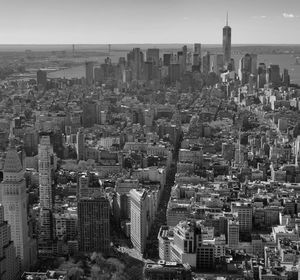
x: 12, y: 161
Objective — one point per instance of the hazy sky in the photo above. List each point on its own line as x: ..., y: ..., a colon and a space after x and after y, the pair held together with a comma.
x: 149, y: 21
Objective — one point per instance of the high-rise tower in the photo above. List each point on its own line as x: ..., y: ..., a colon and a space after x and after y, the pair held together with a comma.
x: 46, y: 163
x: 13, y: 197
x: 9, y: 269
x: 45, y: 178
x: 227, y: 42
x: 94, y: 231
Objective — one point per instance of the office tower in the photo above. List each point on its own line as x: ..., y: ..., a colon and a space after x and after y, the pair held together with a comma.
x: 181, y: 58
x: 233, y: 233
x: 14, y: 200
x: 9, y: 269
x: 286, y: 78
x: 184, y: 58
x: 41, y: 78
x: 227, y: 43
x: 174, y: 72
x: 89, y: 73
x: 245, y: 68
x: 149, y: 70
x: 274, y: 75
x: 206, y: 63
x: 89, y: 113
x: 139, y: 216
x: 167, y: 59
x: 183, y: 247
x: 254, y: 64
x: 180, y: 62
x: 30, y: 140
x: 152, y: 55
x: 46, y: 163
x: 196, y: 58
x: 135, y: 60
x: 261, y: 75
x: 98, y: 75
x: 45, y: 172
x: 218, y: 63
x: 80, y: 144
x: 165, y: 239
x: 245, y: 212
x: 206, y: 255
x: 93, y: 221
x: 197, y: 48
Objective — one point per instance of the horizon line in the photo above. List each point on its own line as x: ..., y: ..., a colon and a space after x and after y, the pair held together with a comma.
x: 176, y: 43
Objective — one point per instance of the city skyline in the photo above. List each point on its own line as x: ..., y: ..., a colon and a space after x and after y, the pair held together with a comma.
x: 133, y: 22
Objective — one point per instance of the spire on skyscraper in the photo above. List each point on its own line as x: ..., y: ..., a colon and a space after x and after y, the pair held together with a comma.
x: 227, y: 19
x: 11, y: 137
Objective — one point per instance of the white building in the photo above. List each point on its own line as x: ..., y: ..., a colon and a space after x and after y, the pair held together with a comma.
x: 46, y: 166
x: 142, y: 210
x: 183, y: 248
x: 45, y: 178
x: 14, y: 200
x: 165, y: 238
x: 80, y: 145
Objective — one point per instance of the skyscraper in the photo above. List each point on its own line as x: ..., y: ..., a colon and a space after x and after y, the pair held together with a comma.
x: 174, y: 72
x: 94, y: 231
x: 167, y: 59
x: 197, y: 48
x: 233, y: 233
x: 218, y: 63
x: 152, y: 55
x: 206, y: 63
x: 286, y: 78
x: 254, y: 64
x: 138, y: 218
x: 46, y: 163
x: 261, y: 75
x: 274, y: 75
x: 227, y: 42
x: 135, y: 60
x: 9, y: 269
x: 41, y: 78
x: 80, y: 148
x: 245, y: 68
x: 45, y: 176
x: 14, y: 200
x: 89, y: 73
x: 244, y: 211
x: 148, y: 70
x: 197, y: 57
x: 89, y: 113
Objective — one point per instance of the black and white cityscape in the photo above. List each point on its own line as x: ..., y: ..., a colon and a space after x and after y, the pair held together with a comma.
x: 151, y: 160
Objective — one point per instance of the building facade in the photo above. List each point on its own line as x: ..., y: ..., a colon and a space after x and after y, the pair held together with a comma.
x: 94, y: 227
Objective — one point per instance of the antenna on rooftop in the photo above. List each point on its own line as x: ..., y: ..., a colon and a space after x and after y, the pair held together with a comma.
x: 109, y: 49
x: 227, y: 19
x: 11, y: 136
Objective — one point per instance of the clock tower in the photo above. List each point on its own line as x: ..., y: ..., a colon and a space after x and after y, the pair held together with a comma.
x: 13, y: 197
